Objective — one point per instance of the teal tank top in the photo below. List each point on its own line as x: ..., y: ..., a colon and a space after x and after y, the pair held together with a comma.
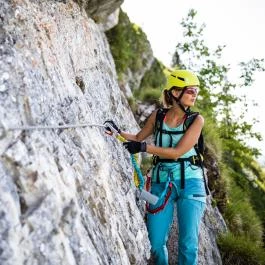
x: 172, y: 170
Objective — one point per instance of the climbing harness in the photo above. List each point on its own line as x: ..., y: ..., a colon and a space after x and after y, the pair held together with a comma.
x: 138, y: 176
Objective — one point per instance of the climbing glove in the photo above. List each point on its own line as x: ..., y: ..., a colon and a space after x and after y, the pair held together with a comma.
x: 111, y: 127
x: 135, y: 147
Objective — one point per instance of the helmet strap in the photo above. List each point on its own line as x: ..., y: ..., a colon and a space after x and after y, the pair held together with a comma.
x: 177, y: 100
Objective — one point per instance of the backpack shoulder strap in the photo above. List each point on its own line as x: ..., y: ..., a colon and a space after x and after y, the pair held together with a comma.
x: 199, y: 146
x: 190, y: 119
x: 160, y: 115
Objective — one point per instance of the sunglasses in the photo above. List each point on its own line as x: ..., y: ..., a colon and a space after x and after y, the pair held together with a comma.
x: 192, y: 91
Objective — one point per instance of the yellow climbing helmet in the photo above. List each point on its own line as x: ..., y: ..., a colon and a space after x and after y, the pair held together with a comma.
x: 181, y: 79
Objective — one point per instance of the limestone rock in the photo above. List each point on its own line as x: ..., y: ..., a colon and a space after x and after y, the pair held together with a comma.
x: 111, y: 21
x: 99, y: 10
x: 132, y: 53
x: 66, y: 196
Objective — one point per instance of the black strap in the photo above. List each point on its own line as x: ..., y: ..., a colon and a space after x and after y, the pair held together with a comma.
x: 172, y: 132
x: 160, y: 115
x: 160, y: 137
x: 203, y: 172
x: 191, y: 116
x: 182, y: 174
x: 177, y: 100
x: 171, y: 141
x: 194, y: 160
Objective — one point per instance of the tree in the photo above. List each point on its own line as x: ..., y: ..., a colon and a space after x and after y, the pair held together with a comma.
x: 217, y: 96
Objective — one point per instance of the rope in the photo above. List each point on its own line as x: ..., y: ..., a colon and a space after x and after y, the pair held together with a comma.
x: 137, y: 174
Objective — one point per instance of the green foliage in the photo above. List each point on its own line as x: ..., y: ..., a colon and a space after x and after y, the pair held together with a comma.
x: 145, y: 164
x: 217, y: 95
x: 154, y: 77
x: 226, y: 134
x: 151, y: 95
x: 127, y: 43
x: 240, y: 216
x: 239, y: 193
x: 133, y: 104
x: 212, y: 136
x: 152, y: 84
x: 237, y: 250
x: 248, y: 69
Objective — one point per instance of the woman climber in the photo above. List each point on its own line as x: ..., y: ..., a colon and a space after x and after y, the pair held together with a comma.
x: 177, y: 174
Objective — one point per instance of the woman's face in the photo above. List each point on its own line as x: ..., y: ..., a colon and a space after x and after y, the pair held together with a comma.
x: 189, y: 97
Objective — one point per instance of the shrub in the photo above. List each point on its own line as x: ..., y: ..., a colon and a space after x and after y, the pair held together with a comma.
x: 128, y: 43
x: 154, y: 77
x: 239, y: 250
x: 150, y: 95
x: 240, y: 216
x: 133, y: 104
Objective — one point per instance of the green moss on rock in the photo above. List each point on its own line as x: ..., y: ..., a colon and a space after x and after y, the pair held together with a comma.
x: 154, y: 77
x: 128, y: 43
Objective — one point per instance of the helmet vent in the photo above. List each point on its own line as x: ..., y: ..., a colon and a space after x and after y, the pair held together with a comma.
x: 181, y: 78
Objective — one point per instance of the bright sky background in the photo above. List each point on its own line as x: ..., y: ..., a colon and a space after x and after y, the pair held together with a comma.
x: 238, y: 24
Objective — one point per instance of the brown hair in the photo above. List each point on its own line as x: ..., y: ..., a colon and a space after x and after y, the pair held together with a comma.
x: 167, y: 97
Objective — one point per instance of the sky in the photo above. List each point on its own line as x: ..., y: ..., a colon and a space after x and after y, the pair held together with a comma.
x: 238, y: 24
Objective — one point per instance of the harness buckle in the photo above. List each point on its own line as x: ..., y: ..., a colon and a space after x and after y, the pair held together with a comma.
x: 154, y: 160
x: 195, y: 160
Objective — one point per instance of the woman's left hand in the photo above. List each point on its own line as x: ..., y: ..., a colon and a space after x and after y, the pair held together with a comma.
x: 135, y: 147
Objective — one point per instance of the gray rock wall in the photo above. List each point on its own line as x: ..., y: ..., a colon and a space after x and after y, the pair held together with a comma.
x: 66, y: 196
x: 99, y: 10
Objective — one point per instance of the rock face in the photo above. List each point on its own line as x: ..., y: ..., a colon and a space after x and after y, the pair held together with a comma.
x: 66, y: 196
x: 133, y: 79
x: 132, y: 53
x: 99, y: 9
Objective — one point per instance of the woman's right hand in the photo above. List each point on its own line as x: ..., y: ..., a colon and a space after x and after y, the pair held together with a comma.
x: 111, y: 127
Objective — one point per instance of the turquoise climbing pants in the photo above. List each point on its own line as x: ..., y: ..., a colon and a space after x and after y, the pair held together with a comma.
x: 190, y: 203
